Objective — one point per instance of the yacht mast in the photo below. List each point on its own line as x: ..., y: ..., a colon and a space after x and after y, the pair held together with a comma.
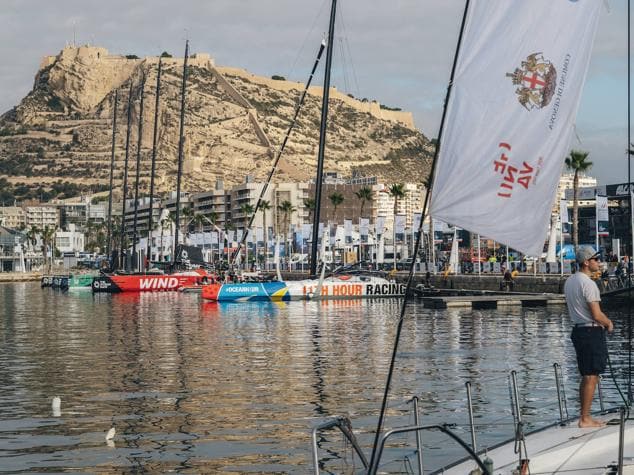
x: 114, y: 136
x: 322, y: 140
x: 148, y: 252
x: 181, y: 141
x: 125, y: 179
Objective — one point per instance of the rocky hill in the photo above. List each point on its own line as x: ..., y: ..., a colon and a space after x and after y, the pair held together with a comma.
x: 234, y: 124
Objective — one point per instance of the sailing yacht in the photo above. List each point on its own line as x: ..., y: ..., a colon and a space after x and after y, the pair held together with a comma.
x: 512, y: 99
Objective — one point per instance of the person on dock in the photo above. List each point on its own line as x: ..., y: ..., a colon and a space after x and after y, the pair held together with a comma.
x: 589, y: 324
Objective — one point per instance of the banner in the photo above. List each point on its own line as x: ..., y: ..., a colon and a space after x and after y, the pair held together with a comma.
x: 347, y: 225
x: 563, y: 211
x: 380, y: 225
x: 399, y: 226
x: 364, y: 224
x: 510, y: 116
x: 259, y: 234
x: 603, y: 220
x: 307, y: 231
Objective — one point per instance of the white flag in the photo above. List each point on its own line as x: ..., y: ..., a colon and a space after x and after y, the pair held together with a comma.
x: 510, y: 118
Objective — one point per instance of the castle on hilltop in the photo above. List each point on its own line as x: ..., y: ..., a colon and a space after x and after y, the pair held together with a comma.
x: 87, y: 55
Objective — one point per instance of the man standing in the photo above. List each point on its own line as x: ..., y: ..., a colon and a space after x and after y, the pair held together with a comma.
x: 589, y: 323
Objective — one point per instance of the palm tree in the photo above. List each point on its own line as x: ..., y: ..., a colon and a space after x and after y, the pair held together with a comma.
x: 48, y: 237
x: 576, y: 162
x: 364, y: 194
x: 287, y: 208
x: 396, y: 191
x: 31, y: 236
x: 310, y: 204
x: 188, y: 216
x: 247, y: 210
x: 264, y: 207
x: 336, y: 199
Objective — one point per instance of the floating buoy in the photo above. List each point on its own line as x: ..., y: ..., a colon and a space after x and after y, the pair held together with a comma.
x: 56, y: 405
x: 111, y: 433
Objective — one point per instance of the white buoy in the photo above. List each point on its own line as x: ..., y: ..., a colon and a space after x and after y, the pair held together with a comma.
x: 56, y: 405
x: 111, y: 433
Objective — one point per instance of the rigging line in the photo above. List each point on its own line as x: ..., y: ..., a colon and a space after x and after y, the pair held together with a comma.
x: 354, y: 71
x: 347, y: 49
x: 344, y: 66
x: 342, y: 53
x: 310, y: 31
x: 629, y: 181
x: 279, y: 153
x: 410, y: 278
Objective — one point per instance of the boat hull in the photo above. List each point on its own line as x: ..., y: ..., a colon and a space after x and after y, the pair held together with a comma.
x: 144, y: 283
x: 333, y: 288
x: 80, y: 282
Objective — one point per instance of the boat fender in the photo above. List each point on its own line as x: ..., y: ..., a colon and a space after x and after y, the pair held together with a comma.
x: 488, y: 464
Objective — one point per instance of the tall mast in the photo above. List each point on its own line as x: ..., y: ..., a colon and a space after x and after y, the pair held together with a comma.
x: 279, y: 153
x: 125, y: 176
x: 154, y: 139
x: 408, y: 289
x: 180, y: 152
x: 322, y: 139
x: 138, y: 174
x: 114, y: 135
x: 629, y: 183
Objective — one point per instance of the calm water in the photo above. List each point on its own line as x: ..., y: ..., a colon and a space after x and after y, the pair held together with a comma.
x: 195, y: 387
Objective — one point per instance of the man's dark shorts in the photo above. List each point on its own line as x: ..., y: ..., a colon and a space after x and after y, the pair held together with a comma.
x: 591, y: 348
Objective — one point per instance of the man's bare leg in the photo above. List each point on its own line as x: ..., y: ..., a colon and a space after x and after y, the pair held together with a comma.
x: 586, y: 393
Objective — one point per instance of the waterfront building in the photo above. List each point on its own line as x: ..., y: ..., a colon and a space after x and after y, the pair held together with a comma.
x: 214, y: 205
x: 12, y: 217
x: 70, y: 241
x: 42, y: 216
x: 12, y: 248
x: 565, y: 188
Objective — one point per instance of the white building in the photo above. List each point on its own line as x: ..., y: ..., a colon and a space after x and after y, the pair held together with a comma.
x: 566, y: 183
x: 12, y: 217
x: 69, y: 241
x: 42, y: 216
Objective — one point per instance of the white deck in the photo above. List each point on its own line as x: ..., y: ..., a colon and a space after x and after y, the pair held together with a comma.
x: 566, y: 449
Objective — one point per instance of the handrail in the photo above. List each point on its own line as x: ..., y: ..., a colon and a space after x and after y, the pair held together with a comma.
x: 345, y: 426
x: 621, y: 440
x: 443, y: 428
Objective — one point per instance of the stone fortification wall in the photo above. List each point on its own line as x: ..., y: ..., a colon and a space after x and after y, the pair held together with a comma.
x: 102, y: 72
x: 373, y: 107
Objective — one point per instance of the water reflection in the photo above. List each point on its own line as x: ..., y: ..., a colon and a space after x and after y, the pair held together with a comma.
x: 195, y: 386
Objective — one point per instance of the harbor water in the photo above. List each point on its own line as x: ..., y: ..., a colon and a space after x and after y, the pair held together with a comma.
x: 199, y: 387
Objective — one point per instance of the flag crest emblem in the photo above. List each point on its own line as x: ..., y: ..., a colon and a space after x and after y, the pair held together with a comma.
x: 536, y: 79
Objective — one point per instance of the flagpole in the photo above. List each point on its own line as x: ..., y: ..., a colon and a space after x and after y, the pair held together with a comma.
x: 479, y: 258
x: 373, y: 465
x: 561, y: 242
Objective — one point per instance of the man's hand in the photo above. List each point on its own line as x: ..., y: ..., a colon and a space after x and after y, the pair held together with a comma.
x: 610, y: 326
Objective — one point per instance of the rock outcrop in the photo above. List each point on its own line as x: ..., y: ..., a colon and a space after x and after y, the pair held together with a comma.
x: 234, y: 124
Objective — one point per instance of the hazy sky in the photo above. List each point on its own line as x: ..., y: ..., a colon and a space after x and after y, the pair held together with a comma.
x: 398, y: 52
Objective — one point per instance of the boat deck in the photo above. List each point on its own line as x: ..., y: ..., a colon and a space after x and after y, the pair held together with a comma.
x: 566, y: 449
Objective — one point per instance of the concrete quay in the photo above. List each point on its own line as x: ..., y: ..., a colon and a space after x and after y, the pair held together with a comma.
x: 20, y: 276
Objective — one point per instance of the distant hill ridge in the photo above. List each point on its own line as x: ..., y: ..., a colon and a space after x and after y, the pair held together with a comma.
x: 235, y: 122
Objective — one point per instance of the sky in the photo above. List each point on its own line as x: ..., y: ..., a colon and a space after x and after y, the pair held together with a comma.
x: 398, y: 52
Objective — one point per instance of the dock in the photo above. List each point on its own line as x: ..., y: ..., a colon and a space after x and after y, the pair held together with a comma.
x: 492, y: 300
